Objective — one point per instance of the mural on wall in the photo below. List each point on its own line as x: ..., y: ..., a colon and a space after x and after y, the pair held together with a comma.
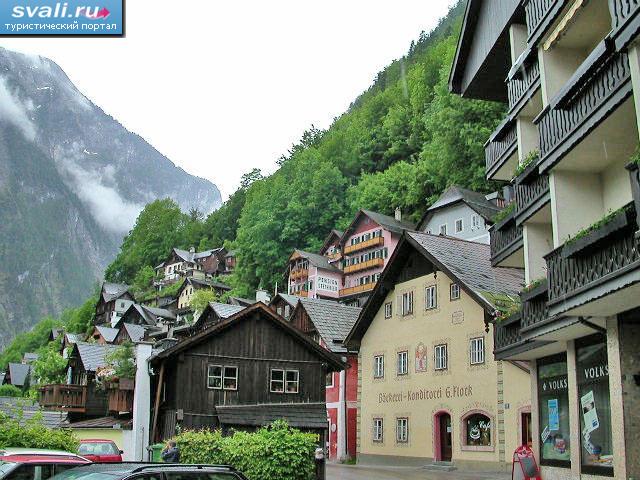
x: 421, y: 358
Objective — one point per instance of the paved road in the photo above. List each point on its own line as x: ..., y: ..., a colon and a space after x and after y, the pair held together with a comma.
x: 357, y: 472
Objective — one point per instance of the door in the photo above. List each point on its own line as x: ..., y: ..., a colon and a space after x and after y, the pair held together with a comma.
x: 526, y: 429
x: 445, y: 437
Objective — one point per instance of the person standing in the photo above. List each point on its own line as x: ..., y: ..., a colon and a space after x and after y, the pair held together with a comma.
x: 171, y: 453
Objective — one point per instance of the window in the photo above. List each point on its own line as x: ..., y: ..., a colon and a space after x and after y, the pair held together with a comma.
x: 553, y: 408
x: 443, y: 229
x: 287, y: 311
x: 430, y: 298
x: 293, y: 377
x: 388, y: 310
x: 378, y: 430
x: 440, y: 357
x: 403, y: 363
x: 476, y: 350
x: 329, y: 380
x: 475, y: 222
x: 454, y: 291
x: 596, y: 452
x: 277, y: 381
x: 402, y: 430
x: 214, y: 377
x: 477, y: 430
x: 230, y: 378
x: 280, y: 312
x: 459, y: 225
x: 407, y: 303
x: 378, y: 366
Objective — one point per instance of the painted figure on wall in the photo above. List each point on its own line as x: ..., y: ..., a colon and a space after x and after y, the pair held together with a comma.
x: 421, y: 358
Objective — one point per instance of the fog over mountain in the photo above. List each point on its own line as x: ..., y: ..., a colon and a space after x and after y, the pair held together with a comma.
x: 72, y: 182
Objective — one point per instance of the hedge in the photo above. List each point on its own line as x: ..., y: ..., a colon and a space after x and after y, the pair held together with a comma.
x: 276, y: 452
x: 16, y: 432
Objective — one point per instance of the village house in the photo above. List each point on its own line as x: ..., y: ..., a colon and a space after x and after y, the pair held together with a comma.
x: 191, y: 285
x: 328, y: 323
x: 462, y: 213
x: 114, y: 300
x: 568, y: 147
x: 103, y: 335
x: 284, y: 304
x: 214, y: 313
x: 230, y: 262
x: 331, y: 247
x: 147, y: 316
x: 311, y: 275
x: 130, y: 332
x: 242, y: 373
x: 18, y: 375
x: 189, y: 263
x: 430, y: 390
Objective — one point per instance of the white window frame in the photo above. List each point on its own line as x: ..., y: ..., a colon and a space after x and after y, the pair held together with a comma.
x: 402, y: 430
x: 431, y: 297
x: 476, y: 351
x: 272, y: 381
x: 407, y: 303
x: 225, y: 377
x: 210, y: 377
x: 378, y: 366
x: 475, y: 221
x: 442, y: 229
x: 441, y: 357
x: 455, y: 225
x: 388, y: 310
x: 288, y: 382
x: 402, y: 363
x: 378, y: 430
x: 454, y: 291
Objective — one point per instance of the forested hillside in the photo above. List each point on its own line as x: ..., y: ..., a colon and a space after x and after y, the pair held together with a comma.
x: 400, y: 144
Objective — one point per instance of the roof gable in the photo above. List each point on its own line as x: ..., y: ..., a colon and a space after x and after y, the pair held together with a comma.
x: 384, y: 221
x: 332, y: 320
x: 92, y: 355
x: 19, y: 374
x: 314, y: 259
x: 455, y: 195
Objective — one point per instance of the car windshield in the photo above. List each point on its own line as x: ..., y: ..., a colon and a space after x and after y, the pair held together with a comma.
x: 6, y: 467
x: 98, y: 448
x: 76, y: 474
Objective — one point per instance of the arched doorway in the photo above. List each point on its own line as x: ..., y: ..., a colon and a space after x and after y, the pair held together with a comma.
x: 442, y: 436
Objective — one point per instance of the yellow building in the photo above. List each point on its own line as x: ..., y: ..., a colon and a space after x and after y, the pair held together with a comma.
x: 430, y: 390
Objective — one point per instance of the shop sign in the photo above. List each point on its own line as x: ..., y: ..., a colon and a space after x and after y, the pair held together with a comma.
x: 451, y: 391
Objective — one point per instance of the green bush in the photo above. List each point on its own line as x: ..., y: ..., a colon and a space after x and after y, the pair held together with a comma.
x: 10, y: 391
x: 276, y: 452
x: 16, y: 432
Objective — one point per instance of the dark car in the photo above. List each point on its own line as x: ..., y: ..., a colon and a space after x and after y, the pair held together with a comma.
x: 34, y: 464
x: 150, y: 471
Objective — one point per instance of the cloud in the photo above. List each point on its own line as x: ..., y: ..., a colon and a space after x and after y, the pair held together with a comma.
x: 96, y: 188
x: 14, y: 111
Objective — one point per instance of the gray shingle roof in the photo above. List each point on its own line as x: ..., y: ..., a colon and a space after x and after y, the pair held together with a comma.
x: 224, y: 310
x: 19, y: 373
x: 333, y: 321
x: 74, y: 337
x: 297, y: 415
x: 290, y: 299
x: 108, y: 333
x: 15, y: 407
x: 93, y: 355
x: 135, y: 332
x: 317, y: 260
x: 188, y: 256
x: 103, y: 422
x: 470, y: 262
x: 475, y: 200
x: 388, y: 222
x: 111, y: 291
x: 29, y: 357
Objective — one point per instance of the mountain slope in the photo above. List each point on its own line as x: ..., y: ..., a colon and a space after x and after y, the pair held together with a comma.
x: 72, y: 181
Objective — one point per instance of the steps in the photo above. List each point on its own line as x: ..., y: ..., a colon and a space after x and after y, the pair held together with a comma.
x: 440, y: 467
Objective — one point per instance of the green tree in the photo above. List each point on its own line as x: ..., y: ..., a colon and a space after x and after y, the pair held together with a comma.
x: 50, y: 367
x: 122, y: 360
x: 200, y: 299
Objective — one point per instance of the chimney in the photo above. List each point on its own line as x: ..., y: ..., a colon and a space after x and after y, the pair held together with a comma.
x: 192, y: 250
x: 398, y: 214
x: 262, y: 296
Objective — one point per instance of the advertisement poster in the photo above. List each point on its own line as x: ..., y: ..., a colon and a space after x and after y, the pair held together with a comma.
x: 589, y: 414
x: 554, y: 415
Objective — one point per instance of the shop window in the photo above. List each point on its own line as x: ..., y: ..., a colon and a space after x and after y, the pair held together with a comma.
x: 553, y: 409
x: 596, y: 452
x: 477, y: 430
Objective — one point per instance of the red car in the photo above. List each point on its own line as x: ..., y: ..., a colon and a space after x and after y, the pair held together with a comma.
x: 102, y: 451
x: 34, y: 464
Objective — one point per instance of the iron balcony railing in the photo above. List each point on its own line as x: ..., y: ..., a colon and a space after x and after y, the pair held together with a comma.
x: 540, y: 15
x: 532, y: 192
x: 507, y: 333
x: 522, y: 82
x: 505, y: 239
x: 501, y: 145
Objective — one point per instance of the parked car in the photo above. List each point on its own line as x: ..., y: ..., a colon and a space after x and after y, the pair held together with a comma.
x: 34, y: 464
x: 150, y: 471
x: 105, y: 451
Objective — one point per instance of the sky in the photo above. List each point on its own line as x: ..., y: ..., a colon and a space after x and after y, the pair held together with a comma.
x: 223, y: 87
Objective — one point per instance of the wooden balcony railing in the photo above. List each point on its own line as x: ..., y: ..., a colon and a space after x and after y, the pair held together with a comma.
x: 589, y: 267
x: 505, y: 239
x: 358, y: 267
x: 68, y: 398
x: 357, y: 289
x: 532, y: 192
x: 523, y: 83
x: 502, y: 144
x: 599, y: 85
x: 372, y: 242
x: 299, y: 273
x: 120, y: 400
x: 507, y: 333
x: 540, y: 15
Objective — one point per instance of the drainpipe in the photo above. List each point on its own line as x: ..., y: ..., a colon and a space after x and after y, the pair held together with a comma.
x: 342, y: 416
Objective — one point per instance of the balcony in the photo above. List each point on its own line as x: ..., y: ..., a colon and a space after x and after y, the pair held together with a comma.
x: 303, y: 293
x: 507, y: 335
x: 523, y: 81
x: 600, y: 85
x: 372, y: 242
x: 120, y: 396
x: 359, y: 267
x: 507, y: 243
x: 625, y: 21
x: 299, y: 273
x: 598, y: 273
x: 334, y: 256
x: 67, y: 398
x: 501, y: 151
x: 532, y: 193
x: 534, y: 306
x: 540, y: 15
x: 345, y: 292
